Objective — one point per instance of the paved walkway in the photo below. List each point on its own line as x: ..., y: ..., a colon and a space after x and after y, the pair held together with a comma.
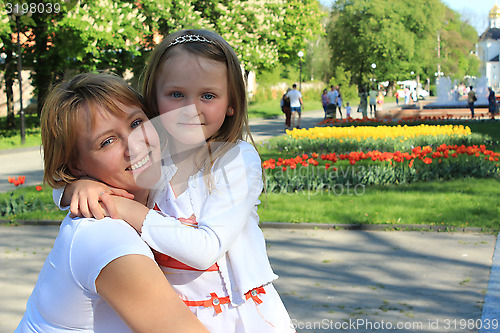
x: 329, y: 279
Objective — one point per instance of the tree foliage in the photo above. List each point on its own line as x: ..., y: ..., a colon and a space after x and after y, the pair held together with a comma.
x: 397, y: 36
x: 117, y: 35
x: 458, y: 40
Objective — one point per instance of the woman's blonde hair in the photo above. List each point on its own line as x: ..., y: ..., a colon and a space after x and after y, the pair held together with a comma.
x: 211, y: 46
x: 61, y: 120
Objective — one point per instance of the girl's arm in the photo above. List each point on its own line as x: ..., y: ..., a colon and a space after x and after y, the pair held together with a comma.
x: 88, y: 197
x: 138, y: 291
x: 224, y: 214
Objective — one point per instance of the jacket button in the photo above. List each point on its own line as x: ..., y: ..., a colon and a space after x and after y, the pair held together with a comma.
x: 216, y: 302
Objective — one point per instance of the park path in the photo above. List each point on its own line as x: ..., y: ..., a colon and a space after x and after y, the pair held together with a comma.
x: 328, y: 278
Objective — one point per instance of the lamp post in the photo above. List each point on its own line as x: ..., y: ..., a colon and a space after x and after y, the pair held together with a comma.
x: 374, y: 65
x: 18, y: 14
x: 300, y: 54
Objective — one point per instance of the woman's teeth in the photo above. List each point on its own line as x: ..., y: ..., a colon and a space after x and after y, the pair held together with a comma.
x: 140, y: 163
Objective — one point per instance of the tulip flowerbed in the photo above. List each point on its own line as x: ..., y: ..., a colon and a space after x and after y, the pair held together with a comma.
x: 332, y: 171
x: 381, y: 138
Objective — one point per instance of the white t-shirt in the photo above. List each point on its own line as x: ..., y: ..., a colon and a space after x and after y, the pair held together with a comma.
x: 65, y: 297
x: 332, y: 96
x: 295, y: 97
x: 373, y: 97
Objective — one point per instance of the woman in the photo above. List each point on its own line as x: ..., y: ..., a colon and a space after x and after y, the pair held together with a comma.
x: 492, y: 102
x: 101, y: 277
x: 324, y: 100
x: 285, y: 108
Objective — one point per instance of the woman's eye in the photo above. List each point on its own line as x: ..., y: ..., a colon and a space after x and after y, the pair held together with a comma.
x: 176, y: 94
x: 107, y: 142
x: 208, y: 96
x: 136, y: 123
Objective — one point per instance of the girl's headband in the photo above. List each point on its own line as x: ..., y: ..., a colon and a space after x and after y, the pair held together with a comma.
x: 190, y: 39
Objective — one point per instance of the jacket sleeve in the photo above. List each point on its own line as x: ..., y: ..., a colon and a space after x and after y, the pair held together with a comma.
x: 223, y: 215
x: 57, y: 195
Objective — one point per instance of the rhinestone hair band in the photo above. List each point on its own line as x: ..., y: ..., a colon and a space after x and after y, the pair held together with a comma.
x: 189, y: 39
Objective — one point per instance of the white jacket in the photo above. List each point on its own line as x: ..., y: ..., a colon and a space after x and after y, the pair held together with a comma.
x: 228, y: 230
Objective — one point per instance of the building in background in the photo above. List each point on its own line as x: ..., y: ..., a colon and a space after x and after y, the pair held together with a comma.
x: 489, y: 49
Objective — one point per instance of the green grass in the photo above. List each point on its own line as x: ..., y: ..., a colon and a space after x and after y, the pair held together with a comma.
x: 271, y: 108
x: 491, y: 128
x: 39, y: 204
x: 465, y: 202
x: 10, y: 139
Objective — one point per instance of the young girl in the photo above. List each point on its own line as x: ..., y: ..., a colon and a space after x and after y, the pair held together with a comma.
x: 348, y: 110
x: 216, y: 260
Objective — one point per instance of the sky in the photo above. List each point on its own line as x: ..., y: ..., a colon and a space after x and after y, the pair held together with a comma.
x: 474, y: 11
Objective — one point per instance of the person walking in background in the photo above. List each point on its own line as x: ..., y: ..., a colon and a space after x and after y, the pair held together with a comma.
x: 285, y: 107
x: 363, y: 103
x: 407, y: 95
x: 348, y: 111
x: 295, y: 106
x: 332, y: 96
x: 380, y: 101
x: 324, y: 100
x: 339, y: 101
x: 492, y: 102
x: 397, y: 97
x: 471, y: 98
x: 373, y: 100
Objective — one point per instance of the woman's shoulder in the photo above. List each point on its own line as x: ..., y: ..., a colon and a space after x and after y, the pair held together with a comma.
x: 110, y: 230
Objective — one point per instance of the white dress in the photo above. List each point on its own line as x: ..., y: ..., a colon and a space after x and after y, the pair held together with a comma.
x: 198, y: 287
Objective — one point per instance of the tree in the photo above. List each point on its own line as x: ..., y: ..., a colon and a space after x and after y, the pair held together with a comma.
x: 301, y: 25
x: 457, y: 45
x: 8, y: 66
x: 383, y: 32
x: 117, y: 35
x: 398, y: 40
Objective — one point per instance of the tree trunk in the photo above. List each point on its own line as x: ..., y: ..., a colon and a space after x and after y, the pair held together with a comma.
x: 9, y: 75
x: 42, y: 77
x: 390, y: 88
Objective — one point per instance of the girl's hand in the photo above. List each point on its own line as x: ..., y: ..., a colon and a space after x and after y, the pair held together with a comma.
x: 91, y: 198
x: 132, y: 212
x: 190, y: 221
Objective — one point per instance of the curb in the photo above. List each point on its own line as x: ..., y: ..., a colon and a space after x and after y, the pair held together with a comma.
x: 491, y: 309
x: 315, y: 226
x: 374, y: 227
x: 20, y: 150
x: 30, y: 222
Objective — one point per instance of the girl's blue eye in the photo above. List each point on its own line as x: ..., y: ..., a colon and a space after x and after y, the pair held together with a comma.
x: 136, y: 123
x: 208, y: 96
x: 176, y: 94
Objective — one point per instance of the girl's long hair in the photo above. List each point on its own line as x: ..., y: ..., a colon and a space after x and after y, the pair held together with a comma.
x: 234, y: 127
